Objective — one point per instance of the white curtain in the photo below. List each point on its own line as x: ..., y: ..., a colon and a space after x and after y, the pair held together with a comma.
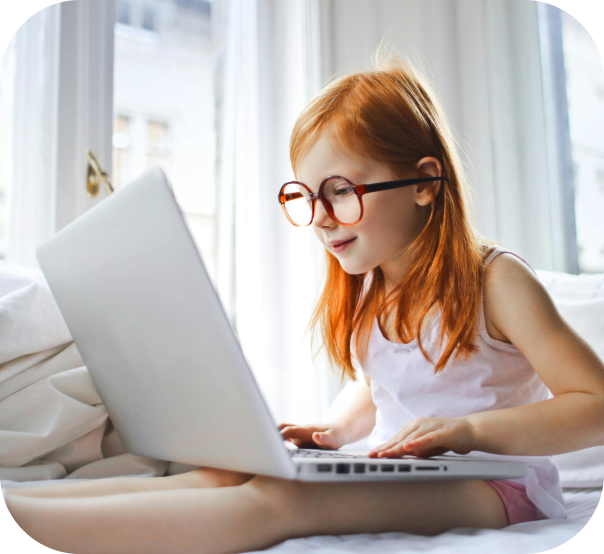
x: 485, y: 59
x: 268, y: 274
x: 31, y: 221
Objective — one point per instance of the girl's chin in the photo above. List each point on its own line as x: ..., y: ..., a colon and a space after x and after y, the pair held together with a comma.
x: 354, y: 268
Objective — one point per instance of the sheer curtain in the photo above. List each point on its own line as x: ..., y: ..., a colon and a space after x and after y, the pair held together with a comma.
x: 31, y: 222
x: 492, y: 69
x: 268, y: 274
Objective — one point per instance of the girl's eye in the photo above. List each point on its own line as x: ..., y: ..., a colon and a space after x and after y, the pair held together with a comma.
x: 343, y: 190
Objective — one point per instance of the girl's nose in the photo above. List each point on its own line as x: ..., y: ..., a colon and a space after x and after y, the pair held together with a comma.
x: 322, y: 218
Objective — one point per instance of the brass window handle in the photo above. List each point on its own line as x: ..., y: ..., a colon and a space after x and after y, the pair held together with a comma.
x: 95, y: 175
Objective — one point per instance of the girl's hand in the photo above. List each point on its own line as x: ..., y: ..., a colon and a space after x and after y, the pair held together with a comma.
x: 327, y: 435
x: 429, y: 436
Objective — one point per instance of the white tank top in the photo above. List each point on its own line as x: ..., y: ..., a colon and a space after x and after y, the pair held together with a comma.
x: 405, y: 387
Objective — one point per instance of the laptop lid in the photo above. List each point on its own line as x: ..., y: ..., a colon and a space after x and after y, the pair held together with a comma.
x: 150, y: 327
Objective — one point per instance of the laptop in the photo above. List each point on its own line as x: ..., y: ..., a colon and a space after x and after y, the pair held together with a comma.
x: 159, y: 347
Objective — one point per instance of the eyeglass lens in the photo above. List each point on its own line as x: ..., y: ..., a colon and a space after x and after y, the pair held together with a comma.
x: 338, y: 192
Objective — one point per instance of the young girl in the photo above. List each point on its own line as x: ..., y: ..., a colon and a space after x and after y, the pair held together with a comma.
x: 458, y: 341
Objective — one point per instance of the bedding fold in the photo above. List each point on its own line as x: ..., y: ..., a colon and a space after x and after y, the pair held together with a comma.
x: 52, y: 421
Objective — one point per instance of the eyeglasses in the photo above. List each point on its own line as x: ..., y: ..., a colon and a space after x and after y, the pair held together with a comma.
x: 341, y: 199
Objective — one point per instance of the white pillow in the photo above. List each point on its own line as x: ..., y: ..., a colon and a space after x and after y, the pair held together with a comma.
x: 587, y: 318
x: 564, y: 286
x: 584, y: 468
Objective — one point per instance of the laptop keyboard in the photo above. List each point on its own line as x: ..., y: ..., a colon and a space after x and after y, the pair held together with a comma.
x: 310, y: 453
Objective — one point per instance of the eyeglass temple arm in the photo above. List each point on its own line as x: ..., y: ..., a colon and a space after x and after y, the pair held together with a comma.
x: 291, y: 196
x: 387, y: 185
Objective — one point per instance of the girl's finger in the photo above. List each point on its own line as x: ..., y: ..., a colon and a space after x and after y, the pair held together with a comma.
x: 413, y: 436
x: 425, y: 439
x: 284, y: 425
x: 415, y: 447
x: 394, y: 440
x: 411, y: 429
x: 430, y: 440
x: 399, y: 437
x: 289, y: 432
x: 397, y: 451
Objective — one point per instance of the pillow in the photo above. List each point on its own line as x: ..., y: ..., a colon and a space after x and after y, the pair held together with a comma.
x: 586, y: 317
x: 564, y: 286
x: 584, y: 468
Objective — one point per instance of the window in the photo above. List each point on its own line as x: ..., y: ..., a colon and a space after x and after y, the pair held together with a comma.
x: 123, y: 12
x: 585, y: 92
x: 157, y: 143
x: 164, y: 98
x: 122, y: 152
x: 148, y: 20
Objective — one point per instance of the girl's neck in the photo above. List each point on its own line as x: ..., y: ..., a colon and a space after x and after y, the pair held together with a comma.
x: 396, y: 267
x: 394, y: 270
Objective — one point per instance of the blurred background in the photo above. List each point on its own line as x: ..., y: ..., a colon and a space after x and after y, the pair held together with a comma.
x: 211, y: 90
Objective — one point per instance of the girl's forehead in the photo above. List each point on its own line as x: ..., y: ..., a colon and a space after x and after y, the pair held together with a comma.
x: 328, y: 156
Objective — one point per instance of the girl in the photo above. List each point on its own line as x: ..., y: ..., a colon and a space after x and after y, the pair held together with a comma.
x: 458, y: 341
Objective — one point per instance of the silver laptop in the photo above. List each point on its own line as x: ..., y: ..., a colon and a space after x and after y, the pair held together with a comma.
x: 161, y: 352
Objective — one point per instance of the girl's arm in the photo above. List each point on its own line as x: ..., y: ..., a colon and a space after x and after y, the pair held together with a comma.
x: 359, y: 417
x: 353, y: 424
x: 519, y: 310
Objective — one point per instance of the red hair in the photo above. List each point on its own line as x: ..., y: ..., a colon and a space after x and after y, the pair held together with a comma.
x: 390, y: 114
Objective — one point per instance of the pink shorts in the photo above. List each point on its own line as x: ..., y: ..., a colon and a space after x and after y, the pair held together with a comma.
x: 518, y: 507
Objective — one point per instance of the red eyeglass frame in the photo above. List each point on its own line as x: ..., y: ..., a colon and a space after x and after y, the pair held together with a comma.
x: 359, y: 190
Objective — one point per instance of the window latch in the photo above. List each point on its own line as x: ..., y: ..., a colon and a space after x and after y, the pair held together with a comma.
x: 96, y: 175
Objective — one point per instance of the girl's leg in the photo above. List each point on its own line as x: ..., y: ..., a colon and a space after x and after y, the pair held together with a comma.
x: 256, y: 515
x: 205, y: 477
x: 423, y: 508
x: 179, y: 521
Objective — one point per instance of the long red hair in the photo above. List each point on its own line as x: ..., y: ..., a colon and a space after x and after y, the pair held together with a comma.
x: 391, y: 114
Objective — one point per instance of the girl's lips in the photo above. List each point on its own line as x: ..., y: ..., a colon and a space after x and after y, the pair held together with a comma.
x: 337, y: 248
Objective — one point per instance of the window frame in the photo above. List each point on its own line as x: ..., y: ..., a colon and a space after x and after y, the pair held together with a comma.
x: 75, y: 104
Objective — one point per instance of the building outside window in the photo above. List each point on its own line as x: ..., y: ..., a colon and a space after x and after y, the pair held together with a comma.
x: 157, y: 143
x: 148, y: 19
x: 121, y: 150
x: 164, y: 105
x: 123, y: 12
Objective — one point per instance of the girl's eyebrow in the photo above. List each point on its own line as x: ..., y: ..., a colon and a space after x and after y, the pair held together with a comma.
x: 354, y: 179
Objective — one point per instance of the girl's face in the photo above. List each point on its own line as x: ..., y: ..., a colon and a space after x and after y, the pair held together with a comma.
x: 392, y: 219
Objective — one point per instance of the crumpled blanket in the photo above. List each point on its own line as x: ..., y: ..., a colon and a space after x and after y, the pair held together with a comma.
x: 52, y: 421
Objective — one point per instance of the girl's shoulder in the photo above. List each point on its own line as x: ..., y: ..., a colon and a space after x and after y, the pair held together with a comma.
x: 504, y: 265
x: 512, y: 292
x: 508, y: 279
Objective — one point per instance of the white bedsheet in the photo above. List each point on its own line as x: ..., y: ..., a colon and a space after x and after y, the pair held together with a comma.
x: 523, y: 538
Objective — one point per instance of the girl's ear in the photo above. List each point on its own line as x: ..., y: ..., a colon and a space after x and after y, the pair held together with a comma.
x: 425, y: 193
